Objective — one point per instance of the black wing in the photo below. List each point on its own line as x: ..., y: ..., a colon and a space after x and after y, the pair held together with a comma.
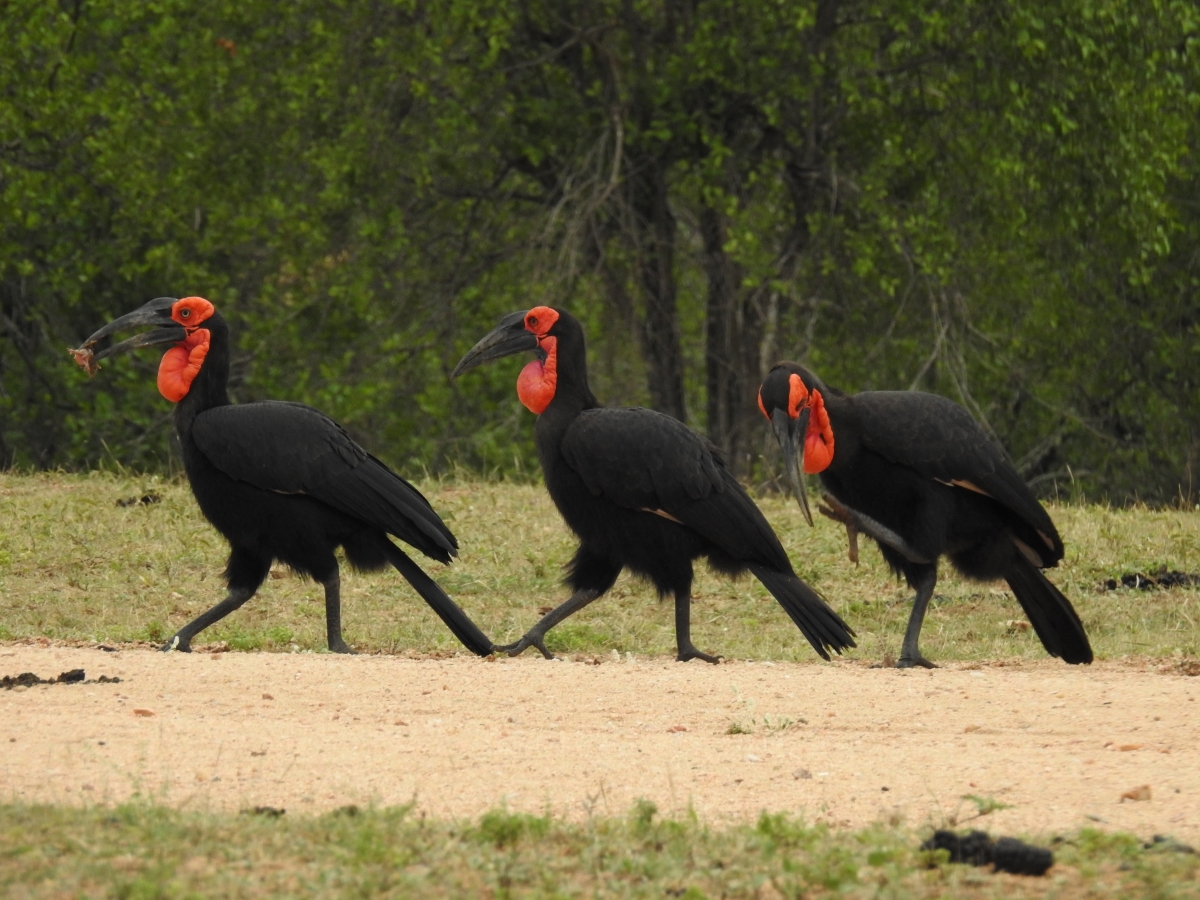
x: 939, y: 438
x: 642, y: 459
x: 291, y: 448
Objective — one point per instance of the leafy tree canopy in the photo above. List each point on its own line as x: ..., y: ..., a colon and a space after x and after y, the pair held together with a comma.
x: 992, y: 201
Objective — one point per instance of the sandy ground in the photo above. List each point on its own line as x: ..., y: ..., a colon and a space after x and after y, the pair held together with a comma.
x: 226, y: 731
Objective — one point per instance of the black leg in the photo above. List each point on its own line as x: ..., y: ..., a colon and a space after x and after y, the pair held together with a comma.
x: 910, y: 655
x: 535, y: 636
x: 859, y: 522
x: 683, y: 630
x: 182, y: 641
x: 333, y: 614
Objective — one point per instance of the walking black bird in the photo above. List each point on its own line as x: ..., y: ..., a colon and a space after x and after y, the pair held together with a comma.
x: 281, y: 481
x: 915, y: 472
x: 640, y: 490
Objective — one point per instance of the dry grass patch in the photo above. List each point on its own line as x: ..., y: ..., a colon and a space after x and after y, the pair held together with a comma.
x: 75, y: 565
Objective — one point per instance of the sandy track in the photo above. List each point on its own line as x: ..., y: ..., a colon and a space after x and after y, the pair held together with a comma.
x: 1058, y: 744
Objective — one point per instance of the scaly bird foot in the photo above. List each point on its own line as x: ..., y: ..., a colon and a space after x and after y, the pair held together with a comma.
x: 340, y: 647
x: 840, y: 513
x: 912, y: 662
x: 178, y: 644
x: 516, y: 649
x: 688, y: 653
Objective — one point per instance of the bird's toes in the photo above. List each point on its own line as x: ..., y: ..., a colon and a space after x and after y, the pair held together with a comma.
x: 341, y: 647
x: 176, y: 644
x: 522, y: 645
x: 693, y: 653
x: 913, y: 662
x: 827, y: 512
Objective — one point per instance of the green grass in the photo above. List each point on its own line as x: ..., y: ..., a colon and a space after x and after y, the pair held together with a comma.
x: 136, y: 851
x: 74, y: 565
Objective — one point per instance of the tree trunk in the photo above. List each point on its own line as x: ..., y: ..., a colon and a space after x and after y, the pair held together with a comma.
x: 740, y: 342
x: 720, y: 365
x: 655, y: 260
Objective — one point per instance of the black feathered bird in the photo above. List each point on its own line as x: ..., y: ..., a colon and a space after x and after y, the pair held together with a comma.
x: 641, y: 491
x: 915, y: 472
x: 281, y: 481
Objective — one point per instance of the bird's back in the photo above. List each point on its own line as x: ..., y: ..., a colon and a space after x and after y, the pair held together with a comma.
x: 640, y: 459
x: 290, y: 448
x: 940, y: 440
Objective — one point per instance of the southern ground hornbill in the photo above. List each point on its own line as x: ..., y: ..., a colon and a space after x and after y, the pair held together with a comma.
x: 281, y: 481
x: 915, y: 472
x: 640, y: 490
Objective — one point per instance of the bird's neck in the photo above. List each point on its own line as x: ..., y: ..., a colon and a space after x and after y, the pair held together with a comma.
x: 210, y: 386
x: 847, y: 429
x: 572, y: 396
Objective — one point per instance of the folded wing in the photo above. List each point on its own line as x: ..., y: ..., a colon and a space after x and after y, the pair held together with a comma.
x: 938, y: 438
x: 641, y: 459
x: 291, y: 448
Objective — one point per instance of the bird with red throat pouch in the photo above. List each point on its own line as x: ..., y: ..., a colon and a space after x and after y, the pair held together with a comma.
x: 640, y: 490
x: 915, y: 472
x: 281, y: 481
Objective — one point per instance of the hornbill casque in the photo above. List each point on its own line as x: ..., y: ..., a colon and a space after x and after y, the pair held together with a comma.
x: 917, y: 474
x: 281, y: 481
x: 640, y: 490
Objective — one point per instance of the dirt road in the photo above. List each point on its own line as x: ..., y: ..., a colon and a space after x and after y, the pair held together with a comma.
x: 839, y: 743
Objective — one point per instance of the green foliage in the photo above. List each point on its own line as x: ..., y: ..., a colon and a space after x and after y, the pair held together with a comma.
x: 991, y: 201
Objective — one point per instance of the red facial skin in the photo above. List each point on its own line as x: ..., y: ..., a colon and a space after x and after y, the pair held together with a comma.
x: 181, y: 364
x: 537, y: 382
x: 818, y: 440
x: 191, y: 311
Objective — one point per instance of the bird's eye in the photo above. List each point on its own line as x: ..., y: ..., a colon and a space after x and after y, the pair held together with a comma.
x: 185, y: 313
x: 533, y: 321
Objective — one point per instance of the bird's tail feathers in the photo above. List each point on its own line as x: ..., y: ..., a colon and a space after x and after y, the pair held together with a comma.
x: 448, y: 611
x: 1051, y: 614
x: 823, y: 627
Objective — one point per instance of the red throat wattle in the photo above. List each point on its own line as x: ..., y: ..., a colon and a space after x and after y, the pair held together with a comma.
x: 537, y: 381
x: 181, y: 364
x: 818, y: 441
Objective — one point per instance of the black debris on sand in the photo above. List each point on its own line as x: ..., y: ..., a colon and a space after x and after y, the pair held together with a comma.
x: 270, y: 812
x: 1167, y: 844
x: 978, y: 849
x: 144, y: 500
x: 1161, y: 579
x: 73, y: 676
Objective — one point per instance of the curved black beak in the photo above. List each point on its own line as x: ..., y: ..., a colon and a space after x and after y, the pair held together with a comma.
x: 507, y: 338
x: 156, y: 312
x: 790, y: 434
x: 172, y: 335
